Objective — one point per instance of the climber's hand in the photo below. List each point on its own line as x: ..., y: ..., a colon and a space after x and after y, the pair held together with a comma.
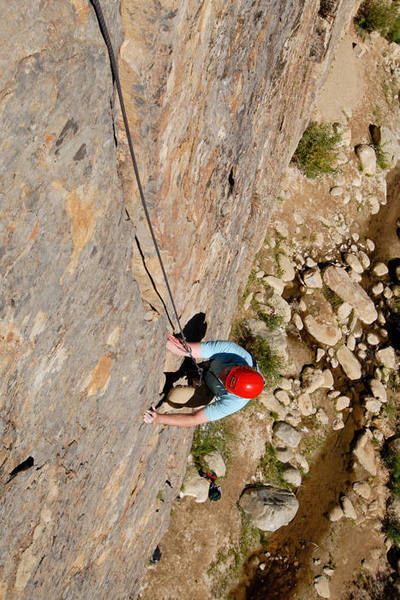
x: 150, y: 415
x: 175, y: 345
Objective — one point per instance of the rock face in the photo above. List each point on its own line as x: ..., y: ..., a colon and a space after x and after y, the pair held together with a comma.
x: 217, y: 97
x: 338, y: 281
x: 269, y: 507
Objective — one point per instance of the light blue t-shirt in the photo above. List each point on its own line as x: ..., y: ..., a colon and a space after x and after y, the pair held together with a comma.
x: 223, y: 354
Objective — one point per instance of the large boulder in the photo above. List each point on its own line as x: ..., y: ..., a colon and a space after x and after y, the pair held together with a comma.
x: 276, y: 339
x: 194, y: 485
x: 337, y: 279
x: 269, y: 507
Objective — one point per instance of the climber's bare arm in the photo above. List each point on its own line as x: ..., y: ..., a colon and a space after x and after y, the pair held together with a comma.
x: 177, y: 420
x: 176, y: 346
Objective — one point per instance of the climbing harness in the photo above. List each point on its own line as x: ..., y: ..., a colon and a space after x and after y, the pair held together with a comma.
x: 214, y: 491
x: 114, y: 70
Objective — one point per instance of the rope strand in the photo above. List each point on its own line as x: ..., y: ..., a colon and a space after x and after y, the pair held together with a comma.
x: 114, y: 69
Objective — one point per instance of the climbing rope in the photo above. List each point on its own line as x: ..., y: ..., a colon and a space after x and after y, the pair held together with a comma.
x: 114, y: 70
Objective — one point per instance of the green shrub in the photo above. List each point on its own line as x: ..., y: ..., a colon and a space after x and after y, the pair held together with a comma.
x: 269, y: 361
x: 382, y: 16
x: 316, y: 152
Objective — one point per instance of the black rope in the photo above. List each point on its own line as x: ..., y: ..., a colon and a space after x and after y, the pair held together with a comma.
x: 114, y: 69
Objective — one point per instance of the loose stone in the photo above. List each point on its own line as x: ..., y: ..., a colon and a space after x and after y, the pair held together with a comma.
x: 344, y: 311
x: 305, y: 405
x: 373, y: 405
x: 342, y: 402
x: 348, y: 508
x: 364, y: 452
x: 338, y: 423
x: 339, y: 282
x: 387, y: 357
x: 312, y: 278
x: 378, y: 390
x: 354, y: 263
x: 276, y: 284
x: 336, y: 514
x: 284, y: 455
x: 367, y: 157
x: 319, y: 354
x: 283, y: 397
x: 292, y: 475
x: 362, y: 489
x: 349, y: 363
x: 322, y: 417
x: 286, y: 267
x: 351, y: 342
x: 380, y: 269
x: 287, y: 434
x: 298, y: 321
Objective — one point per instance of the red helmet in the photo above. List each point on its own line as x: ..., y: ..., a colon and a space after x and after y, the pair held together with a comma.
x: 244, y: 382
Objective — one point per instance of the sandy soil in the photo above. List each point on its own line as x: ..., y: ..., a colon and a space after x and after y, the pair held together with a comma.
x: 202, y: 543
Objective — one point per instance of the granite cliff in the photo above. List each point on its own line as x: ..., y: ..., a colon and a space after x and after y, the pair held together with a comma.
x: 218, y: 95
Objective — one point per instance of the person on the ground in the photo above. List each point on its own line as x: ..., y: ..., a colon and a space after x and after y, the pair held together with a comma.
x: 232, y: 377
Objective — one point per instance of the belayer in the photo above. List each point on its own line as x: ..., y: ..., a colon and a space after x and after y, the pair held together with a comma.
x: 232, y: 377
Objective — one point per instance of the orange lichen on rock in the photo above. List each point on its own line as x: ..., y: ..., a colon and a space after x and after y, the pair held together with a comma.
x: 100, y: 375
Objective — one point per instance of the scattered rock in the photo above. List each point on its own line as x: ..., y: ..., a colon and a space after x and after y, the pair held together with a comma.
x: 269, y: 507
x: 283, y: 397
x: 311, y: 379
x: 351, y: 342
x: 354, y: 263
x: 387, y: 357
x: 337, y: 423
x: 322, y: 417
x: 336, y: 514
x: 349, y: 363
x: 342, y: 402
x: 373, y: 339
x: 276, y: 284
x: 284, y: 455
x: 302, y: 462
x: 348, y: 508
x: 287, y: 434
x: 328, y: 379
x: 298, y: 321
x: 377, y: 289
x: 367, y: 157
x: 305, y: 405
x: 336, y: 191
x: 280, y: 307
x: 321, y: 584
x: 194, y: 485
x: 285, y: 384
x: 380, y: 269
x: 319, y: 354
x: 370, y: 245
x: 364, y: 452
x: 364, y: 259
x: 339, y: 282
x: 272, y: 404
x: 286, y: 267
x: 292, y: 475
x: 362, y: 488
x: 312, y: 278
x: 344, y: 311
x: 215, y: 462
x: 373, y: 405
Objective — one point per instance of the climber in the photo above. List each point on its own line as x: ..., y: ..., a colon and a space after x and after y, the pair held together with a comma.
x: 232, y: 377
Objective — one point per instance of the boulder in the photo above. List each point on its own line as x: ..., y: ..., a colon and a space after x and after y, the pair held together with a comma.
x: 284, y: 455
x: 286, y: 268
x: 194, y: 485
x: 280, y: 307
x: 335, y: 514
x: 269, y: 507
x: 321, y: 321
x: 387, y: 358
x: 287, y: 434
x: 305, y: 405
x: 380, y: 269
x: 353, y: 262
x: 364, y: 452
x: 321, y: 584
x: 348, y: 508
x: 362, y: 488
x: 271, y: 403
x: 324, y: 333
x: 349, y: 363
x: 312, y: 278
x: 311, y: 379
x: 277, y: 339
x: 337, y: 279
x: 275, y: 283
x: 215, y: 462
x: 388, y: 144
x: 292, y: 475
x: 342, y: 402
x: 367, y: 157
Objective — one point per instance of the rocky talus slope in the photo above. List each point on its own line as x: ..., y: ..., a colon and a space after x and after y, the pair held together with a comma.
x: 218, y: 95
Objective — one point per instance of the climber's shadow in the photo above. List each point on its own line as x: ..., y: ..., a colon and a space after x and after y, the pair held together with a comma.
x: 194, y: 331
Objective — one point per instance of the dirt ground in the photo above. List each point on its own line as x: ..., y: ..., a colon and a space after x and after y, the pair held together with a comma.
x: 201, y: 550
